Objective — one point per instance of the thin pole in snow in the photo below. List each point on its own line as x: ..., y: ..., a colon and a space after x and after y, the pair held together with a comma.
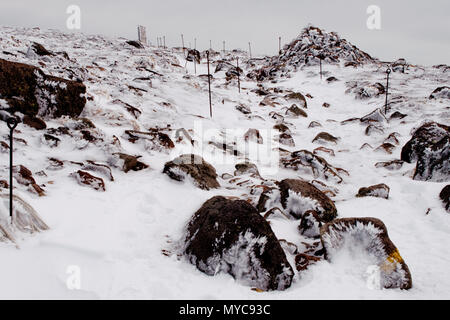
x: 237, y: 69
x: 209, y: 84
x: 164, y: 37
x: 250, y: 50
x: 182, y: 42
x: 279, y: 45
x: 388, y: 71
x: 12, y: 124
x: 210, y: 45
x: 223, y: 48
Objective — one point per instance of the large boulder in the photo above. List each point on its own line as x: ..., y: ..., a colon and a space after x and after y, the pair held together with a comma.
x: 298, y: 196
x: 28, y: 90
x: 430, y: 146
x: 194, y: 166
x: 445, y: 197
x: 367, y: 237
x: 232, y: 237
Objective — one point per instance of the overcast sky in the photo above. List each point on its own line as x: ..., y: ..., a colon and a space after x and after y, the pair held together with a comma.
x: 417, y: 30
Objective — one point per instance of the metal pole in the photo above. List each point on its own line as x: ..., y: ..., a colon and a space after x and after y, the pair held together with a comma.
x: 210, y: 46
x: 320, y: 64
x: 237, y: 69
x: 164, y: 42
x: 209, y: 85
x: 12, y: 124
x: 279, y: 45
x: 388, y: 71
x: 182, y: 41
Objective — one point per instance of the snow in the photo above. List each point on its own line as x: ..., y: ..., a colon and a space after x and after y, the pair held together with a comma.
x: 116, y: 237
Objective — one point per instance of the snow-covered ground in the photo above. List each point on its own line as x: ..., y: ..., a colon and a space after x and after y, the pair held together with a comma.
x: 116, y: 237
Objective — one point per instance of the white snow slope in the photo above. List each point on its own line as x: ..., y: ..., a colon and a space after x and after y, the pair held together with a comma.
x: 116, y: 237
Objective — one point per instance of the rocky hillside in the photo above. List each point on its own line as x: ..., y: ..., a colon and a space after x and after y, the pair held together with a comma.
x: 298, y: 186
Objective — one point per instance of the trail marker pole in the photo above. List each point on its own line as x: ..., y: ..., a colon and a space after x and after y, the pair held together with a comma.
x: 12, y: 124
x: 237, y: 69
x: 164, y: 37
x: 210, y: 46
x: 388, y: 71
x: 279, y: 45
x: 182, y: 42
x: 209, y: 84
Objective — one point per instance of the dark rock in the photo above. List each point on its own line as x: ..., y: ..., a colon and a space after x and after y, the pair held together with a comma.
x: 306, y: 160
x: 390, y: 165
x: 386, y: 147
x: 23, y: 175
x: 375, y: 116
x: 51, y: 141
x: 253, y: 135
x: 28, y: 90
x: 155, y: 140
x: 370, y: 129
x: 332, y: 79
x: 326, y: 105
x: 379, y: 190
x: 4, y: 184
x: 232, y: 237
x: 351, y: 120
x: 243, y: 109
x: 297, y: 96
x: 371, y: 235
x: 430, y: 146
x: 440, y: 93
x: 193, y: 55
x: 34, y: 122
x: 40, y: 50
x: 131, y: 162
x: 325, y: 137
x: 85, y: 178
x: 196, y: 167
x: 282, y: 128
x: 310, y: 224
x: 397, y: 115
x: 295, y: 111
x: 246, y: 168
x: 286, y: 139
x: 298, y: 197
x: 303, y: 261
x: 444, y: 195
x: 314, y: 124
x: 135, y: 44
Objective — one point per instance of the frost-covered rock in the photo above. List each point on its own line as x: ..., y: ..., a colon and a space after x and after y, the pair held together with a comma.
x: 441, y: 93
x: 226, y: 236
x: 430, y: 146
x: 379, y: 190
x: 310, y: 224
x: 367, y: 237
x: 304, y: 160
x: 85, y: 178
x: 375, y: 116
x: 194, y: 166
x: 152, y: 140
x: 325, y: 137
x: 295, y: 111
x: 298, y: 196
x: 444, y: 195
x: 390, y: 165
x: 28, y: 90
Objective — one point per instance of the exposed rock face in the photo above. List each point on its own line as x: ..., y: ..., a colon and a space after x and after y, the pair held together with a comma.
x: 441, y: 93
x: 298, y: 196
x: 444, y: 195
x: 379, y: 190
x: 232, y: 237
x: 367, y: 236
x: 430, y: 146
x: 85, y: 178
x: 28, y: 90
x: 194, y: 166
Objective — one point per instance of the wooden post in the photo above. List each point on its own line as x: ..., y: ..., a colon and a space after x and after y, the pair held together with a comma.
x: 388, y: 71
x: 12, y: 124
x: 209, y: 84
x: 237, y: 69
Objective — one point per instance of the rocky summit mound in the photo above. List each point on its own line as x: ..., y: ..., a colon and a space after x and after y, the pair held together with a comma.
x: 311, y: 45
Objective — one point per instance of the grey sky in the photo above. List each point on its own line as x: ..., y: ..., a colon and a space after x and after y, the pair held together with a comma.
x: 416, y: 30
